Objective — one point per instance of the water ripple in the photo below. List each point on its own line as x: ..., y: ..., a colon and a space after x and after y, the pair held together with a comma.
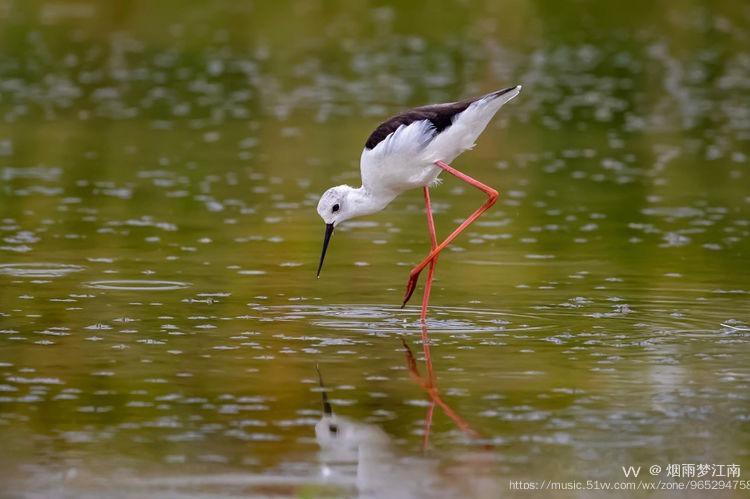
x: 38, y: 269
x: 137, y: 285
x: 384, y: 319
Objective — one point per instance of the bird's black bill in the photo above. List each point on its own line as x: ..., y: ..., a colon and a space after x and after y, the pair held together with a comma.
x: 326, y: 240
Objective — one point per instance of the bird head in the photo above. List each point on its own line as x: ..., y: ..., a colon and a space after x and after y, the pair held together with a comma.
x: 335, y: 206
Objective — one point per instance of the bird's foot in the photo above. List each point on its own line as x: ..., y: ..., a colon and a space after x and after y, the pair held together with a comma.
x: 410, y: 287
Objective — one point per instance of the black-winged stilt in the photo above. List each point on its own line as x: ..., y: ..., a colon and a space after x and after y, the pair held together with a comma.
x: 409, y: 151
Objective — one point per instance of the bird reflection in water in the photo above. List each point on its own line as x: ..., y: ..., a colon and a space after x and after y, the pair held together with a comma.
x: 363, y: 456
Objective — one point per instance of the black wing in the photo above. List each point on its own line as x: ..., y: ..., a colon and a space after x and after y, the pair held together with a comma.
x: 440, y: 115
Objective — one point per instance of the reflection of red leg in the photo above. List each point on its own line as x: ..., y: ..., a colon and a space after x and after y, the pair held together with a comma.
x: 433, y: 245
x: 429, y: 385
x: 428, y: 426
x: 433, y: 391
x: 427, y: 356
x: 492, y: 197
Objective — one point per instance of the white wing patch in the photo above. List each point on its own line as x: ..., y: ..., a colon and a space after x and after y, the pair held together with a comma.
x: 406, y: 140
x: 395, y: 163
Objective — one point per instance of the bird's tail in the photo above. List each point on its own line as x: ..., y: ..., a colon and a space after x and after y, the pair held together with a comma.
x: 495, y: 100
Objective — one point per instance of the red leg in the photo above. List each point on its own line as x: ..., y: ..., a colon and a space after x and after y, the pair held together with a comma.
x: 492, y: 198
x: 433, y: 245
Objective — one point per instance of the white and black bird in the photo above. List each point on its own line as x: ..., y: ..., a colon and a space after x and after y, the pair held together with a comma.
x: 409, y: 151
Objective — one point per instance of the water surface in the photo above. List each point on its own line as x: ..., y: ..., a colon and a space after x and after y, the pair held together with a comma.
x: 160, y: 324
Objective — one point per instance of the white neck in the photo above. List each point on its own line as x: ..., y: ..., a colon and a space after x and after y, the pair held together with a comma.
x: 364, y: 202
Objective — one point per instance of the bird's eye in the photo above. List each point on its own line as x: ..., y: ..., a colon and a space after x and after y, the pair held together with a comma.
x: 335, y: 208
